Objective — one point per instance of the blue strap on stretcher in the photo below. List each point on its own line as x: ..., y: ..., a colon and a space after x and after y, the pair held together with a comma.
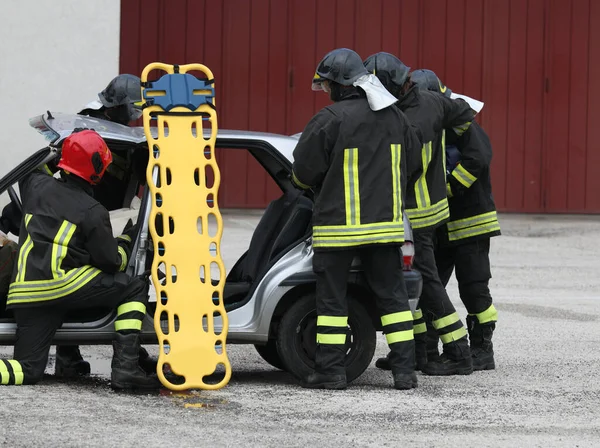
x: 179, y: 90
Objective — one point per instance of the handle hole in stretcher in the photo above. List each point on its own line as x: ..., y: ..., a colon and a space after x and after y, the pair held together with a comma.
x: 217, y: 376
x: 165, y: 128
x: 176, y: 323
x: 158, y: 225
x: 205, y: 323
x: 158, y: 200
x: 163, y: 298
x: 166, y: 347
x: 199, y: 225
x: 171, y: 225
x: 168, y: 175
x: 160, y: 273
x: 212, y: 225
x: 215, y: 298
x: 173, y: 274
x: 156, y: 168
x: 217, y: 315
x: 215, y: 272
x: 209, y: 176
x: 155, y: 151
x: 210, y: 200
x: 207, y: 152
x: 164, y: 322
x: 195, y: 129
x: 197, y: 177
x: 161, y: 249
x: 212, y: 248
x: 202, y: 274
x: 219, y: 347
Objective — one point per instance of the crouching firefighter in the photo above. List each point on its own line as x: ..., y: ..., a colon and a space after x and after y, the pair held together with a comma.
x: 69, y: 260
x: 463, y: 244
x: 427, y: 209
x: 353, y: 154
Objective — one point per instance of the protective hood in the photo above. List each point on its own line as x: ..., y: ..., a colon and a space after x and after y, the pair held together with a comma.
x: 94, y: 105
x: 476, y: 105
x: 378, y: 96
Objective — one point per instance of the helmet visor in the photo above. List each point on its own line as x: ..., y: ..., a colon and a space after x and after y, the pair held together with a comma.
x: 317, y: 83
x: 136, y: 110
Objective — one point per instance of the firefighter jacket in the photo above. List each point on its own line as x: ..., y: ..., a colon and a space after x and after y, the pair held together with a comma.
x: 65, y: 240
x: 430, y: 114
x: 355, y: 160
x: 472, y: 208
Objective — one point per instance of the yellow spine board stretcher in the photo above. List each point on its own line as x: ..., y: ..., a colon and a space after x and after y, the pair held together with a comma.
x: 183, y: 208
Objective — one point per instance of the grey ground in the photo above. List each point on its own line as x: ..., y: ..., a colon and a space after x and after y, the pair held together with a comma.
x: 545, y: 392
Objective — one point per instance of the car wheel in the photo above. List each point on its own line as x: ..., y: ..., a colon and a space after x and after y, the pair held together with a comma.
x: 296, y: 339
x: 269, y: 353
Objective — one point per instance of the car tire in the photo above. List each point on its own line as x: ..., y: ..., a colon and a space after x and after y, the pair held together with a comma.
x: 269, y: 353
x: 296, y: 339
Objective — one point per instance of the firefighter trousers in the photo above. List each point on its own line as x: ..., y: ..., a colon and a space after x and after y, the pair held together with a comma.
x: 471, y: 262
x: 434, y: 301
x: 382, y: 266
x: 36, y: 326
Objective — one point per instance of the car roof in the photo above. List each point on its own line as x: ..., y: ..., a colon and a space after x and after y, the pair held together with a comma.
x: 57, y: 126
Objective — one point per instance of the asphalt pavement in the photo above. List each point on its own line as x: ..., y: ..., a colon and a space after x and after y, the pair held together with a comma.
x: 545, y: 391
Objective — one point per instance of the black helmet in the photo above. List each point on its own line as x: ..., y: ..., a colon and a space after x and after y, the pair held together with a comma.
x: 390, y: 70
x: 342, y: 65
x: 123, y: 89
x: 122, y: 98
x: 427, y: 79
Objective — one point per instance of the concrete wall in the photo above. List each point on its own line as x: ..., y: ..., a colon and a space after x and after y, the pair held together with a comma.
x: 56, y: 55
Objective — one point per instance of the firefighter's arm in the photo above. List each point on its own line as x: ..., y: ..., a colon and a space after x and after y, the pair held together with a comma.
x: 107, y: 253
x: 475, y: 154
x: 311, y: 155
x: 458, y: 115
x: 413, y: 146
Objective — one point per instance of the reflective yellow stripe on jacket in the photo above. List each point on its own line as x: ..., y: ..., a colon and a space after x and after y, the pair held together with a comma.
x: 60, y: 247
x: 36, y: 291
x: 427, y: 214
x: 473, y: 226
x: 354, y: 233
x: 24, y: 252
x: 430, y: 215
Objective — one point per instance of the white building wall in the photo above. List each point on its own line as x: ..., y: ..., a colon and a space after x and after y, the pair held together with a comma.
x: 54, y: 55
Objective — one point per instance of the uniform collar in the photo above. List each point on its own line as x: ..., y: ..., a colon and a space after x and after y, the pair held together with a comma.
x: 76, y: 182
x: 411, y: 98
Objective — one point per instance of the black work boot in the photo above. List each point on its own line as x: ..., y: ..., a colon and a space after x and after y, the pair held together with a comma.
x: 146, y: 362
x: 69, y: 362
x: 456, y: 360
x: 420, y: 355
x: 126, y: 371
x: 420, y: 351
x: 405, y: 381
x: 318, y: 380
x: 433, y: 343
x: 482, y: 349
x: 383, y: 363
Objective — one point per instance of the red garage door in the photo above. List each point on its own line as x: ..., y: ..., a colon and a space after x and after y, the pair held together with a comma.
x: 531, y: 61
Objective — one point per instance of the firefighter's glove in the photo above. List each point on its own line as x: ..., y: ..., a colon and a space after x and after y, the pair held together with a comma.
x: 130, y: 230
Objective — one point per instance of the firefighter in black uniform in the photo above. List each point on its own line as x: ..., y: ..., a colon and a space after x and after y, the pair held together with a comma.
x: 427, y: 209
x: 120, y: 102
x: 353, y: 154
x: 68, y: 259
x: 463, y: 244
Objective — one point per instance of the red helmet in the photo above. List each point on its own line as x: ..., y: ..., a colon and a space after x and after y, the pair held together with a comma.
x: 86, y: 155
